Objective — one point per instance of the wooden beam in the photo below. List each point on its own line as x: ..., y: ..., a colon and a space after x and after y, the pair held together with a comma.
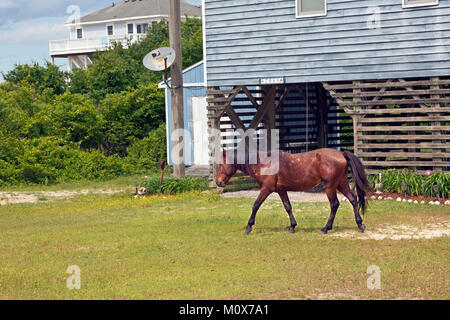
x: 406, y: 137
x: 356, y: 119
x: 361, y: 85
x: 396, y: 102
x: 283, y: 97
x: 392, y: 146
x: 406, y: 163
x: 263, y: 108
x: 405, y: 128
x: 390, y: 93
x: 391, y: 119
x: 250, y: 97
x: 234, y: 117
x: 400, y: 111
x: 391, y: 154
x: 437, y: 134
x: 415, y: 97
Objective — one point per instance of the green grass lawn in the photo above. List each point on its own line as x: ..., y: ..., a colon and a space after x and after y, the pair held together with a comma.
x: 193, y: 246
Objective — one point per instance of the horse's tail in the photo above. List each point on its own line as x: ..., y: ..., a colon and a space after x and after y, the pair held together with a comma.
x: 359, y: 178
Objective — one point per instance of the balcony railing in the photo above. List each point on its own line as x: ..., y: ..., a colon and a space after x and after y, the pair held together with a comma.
x: 79, y: 46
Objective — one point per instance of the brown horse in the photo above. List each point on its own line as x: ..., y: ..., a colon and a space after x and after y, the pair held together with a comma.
x: 301, y: 172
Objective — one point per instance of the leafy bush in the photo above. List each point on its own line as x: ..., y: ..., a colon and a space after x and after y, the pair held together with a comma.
x: 172, y: 185
x: 49, y: 160
x: 442, y: 180
x: 131, y: 115
x: 417, y: 185
x: 147, y: 153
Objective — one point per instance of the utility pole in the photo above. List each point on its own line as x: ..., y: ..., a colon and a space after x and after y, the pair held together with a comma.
x: 177, y: 84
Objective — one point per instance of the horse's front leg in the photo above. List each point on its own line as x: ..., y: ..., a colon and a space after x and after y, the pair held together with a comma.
x: 263, y: 194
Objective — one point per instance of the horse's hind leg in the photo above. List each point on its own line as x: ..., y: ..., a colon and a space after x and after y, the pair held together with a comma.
x: 287, y: 205
x: 263, y: 194
x: 334, y: 204
x: 345, y: 190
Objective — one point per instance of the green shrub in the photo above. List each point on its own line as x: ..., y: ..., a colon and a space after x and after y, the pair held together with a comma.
x: 146, y: 154
x: 131, y: 115
x: 417, y: 185
x: 172, y: 185
x: 442, y: 180
x: 50, y: 160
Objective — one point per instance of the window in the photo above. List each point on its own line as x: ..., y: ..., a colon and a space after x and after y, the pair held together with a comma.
x: 79, y: 33
x: 110, y: 30
x: 311, y: 8
x: 141, y: 28
x: 130, y: 28
x: 419, y: 3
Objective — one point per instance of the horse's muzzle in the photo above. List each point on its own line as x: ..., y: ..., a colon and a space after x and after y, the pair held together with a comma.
x: 220, y: 184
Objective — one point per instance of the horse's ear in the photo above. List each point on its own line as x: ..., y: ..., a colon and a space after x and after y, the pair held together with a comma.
x: 224, y: 153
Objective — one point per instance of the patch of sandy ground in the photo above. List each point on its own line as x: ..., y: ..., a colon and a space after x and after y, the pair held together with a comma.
x: 399, y: 232
x: 33, y: 197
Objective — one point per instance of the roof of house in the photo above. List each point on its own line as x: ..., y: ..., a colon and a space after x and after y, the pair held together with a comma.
x: 139, y: 8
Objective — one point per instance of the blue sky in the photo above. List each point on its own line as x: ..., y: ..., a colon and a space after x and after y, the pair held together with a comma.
x: 26, y: 26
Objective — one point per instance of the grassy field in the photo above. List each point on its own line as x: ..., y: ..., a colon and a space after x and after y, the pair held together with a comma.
x: 192, y: 246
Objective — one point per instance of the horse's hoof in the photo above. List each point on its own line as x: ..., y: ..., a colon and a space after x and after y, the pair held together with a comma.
x: 362, y: 228
x: 248, y: 230
x: 324, y: 231
x: 291, y: 230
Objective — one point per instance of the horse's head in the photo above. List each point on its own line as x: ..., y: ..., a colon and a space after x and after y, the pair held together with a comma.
x: 226, y: 171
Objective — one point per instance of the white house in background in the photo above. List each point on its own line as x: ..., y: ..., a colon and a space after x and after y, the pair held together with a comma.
x: 120, y: 22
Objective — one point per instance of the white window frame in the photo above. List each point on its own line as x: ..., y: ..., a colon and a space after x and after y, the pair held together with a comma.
x: 107, y: 33
x: 311, y: 14
x: 424, y: 3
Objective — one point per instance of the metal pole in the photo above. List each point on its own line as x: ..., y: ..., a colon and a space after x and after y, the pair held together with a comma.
x: 177, y: 84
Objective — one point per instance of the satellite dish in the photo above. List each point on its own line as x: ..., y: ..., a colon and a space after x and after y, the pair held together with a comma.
x: 159, y: 59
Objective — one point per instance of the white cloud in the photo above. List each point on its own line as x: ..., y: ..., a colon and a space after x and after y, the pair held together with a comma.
x: 33, y: 31
x: 7, y: 4
x: 20, y: 10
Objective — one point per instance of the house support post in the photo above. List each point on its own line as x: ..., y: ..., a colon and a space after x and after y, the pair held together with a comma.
x: 214, y: 140
x: 436, y: 133
x: 356, y: 118
x: 269, y: 120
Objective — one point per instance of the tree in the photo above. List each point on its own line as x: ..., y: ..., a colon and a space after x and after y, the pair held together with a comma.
x: 131, y: 115
x: 47, y: 78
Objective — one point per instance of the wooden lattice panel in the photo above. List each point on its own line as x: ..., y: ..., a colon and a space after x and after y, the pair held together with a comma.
x: 399, y: 123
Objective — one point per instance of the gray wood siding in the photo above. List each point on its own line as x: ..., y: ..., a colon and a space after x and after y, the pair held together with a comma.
x: 247, y: 40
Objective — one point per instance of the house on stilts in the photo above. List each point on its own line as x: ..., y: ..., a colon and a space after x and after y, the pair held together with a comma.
x: 364, y: 75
